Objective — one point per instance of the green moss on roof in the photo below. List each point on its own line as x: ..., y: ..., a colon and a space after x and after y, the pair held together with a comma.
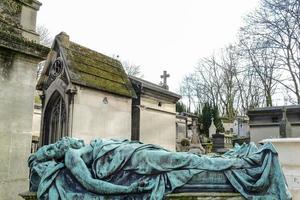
x: 92, y: 69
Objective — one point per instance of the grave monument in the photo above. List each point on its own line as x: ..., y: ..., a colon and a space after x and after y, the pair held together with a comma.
x: 122, y: 169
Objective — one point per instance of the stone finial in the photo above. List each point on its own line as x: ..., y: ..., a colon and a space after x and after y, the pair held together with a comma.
x: 63, y: 38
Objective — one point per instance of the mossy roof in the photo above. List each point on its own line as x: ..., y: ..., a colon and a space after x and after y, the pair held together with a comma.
x: 95, y: 70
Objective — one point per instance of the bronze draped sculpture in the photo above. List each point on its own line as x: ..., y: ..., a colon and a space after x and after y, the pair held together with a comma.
x: 122, y: 169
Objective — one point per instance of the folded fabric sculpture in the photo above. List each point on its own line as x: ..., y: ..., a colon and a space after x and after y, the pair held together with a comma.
x: 122, y: 169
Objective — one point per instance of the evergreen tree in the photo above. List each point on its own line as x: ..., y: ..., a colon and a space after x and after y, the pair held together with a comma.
x: 206, y: 118
x: 217, y: 119
x: 180, y: 107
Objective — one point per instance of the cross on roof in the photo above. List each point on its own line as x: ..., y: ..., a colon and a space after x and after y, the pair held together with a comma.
x: 164, y: 77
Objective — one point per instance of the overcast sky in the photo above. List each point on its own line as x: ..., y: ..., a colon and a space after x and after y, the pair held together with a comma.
x: 158, y: 35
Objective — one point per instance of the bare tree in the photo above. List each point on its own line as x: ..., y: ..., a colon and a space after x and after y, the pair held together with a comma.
x: 45, y: 38
x: 132, y: 69
x: 186, y: 90
x: 229, y: 61
x: 217, y: 80
x: 250, y: 94
x: 277, y: 21
x: 263, y: 60
x: 208, y: 80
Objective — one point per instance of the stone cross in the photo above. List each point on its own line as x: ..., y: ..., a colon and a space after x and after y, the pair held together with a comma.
x: 164, y: 77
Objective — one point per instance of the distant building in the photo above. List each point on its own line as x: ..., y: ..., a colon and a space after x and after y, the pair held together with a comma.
x: 227, y: 124
x: 153, y: 114
x: 265, y: 122
x: 241, y: 126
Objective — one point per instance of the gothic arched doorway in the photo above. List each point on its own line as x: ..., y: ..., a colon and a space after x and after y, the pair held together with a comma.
x: 54, y: 123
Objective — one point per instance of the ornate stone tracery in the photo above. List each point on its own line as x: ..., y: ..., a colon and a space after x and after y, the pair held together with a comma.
x: 56, y: 103
x: 55, y: 119
x: 56, y: 68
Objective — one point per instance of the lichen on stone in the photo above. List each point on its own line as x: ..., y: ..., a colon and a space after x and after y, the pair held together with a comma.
x: 20, y: 44
x: 10, y: 13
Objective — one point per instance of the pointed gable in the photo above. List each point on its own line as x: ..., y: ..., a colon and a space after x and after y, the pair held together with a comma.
x: 88, y: 68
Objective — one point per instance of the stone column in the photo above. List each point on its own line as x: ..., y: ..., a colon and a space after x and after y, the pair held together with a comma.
x: 19, y: 56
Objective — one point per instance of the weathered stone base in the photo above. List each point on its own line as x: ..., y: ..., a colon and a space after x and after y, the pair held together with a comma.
x: 205, y: 196
x: 175, y: 196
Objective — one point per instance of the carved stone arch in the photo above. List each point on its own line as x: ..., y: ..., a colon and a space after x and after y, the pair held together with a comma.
x: 56, y: 102
x: 55, y: 119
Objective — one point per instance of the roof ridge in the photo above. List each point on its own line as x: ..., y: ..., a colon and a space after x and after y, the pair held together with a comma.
x: 94, y: 51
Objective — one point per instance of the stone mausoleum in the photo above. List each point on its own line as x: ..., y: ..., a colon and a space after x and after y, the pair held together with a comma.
x: 268, y: 122
x: 85, y: 94
x: 88, y: 95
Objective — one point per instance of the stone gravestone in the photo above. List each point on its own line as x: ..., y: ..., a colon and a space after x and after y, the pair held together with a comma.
x: 195, y: 146
x: 285, y: 128
x: 212, y: 129
x: 19, y: 56
x: 222, y: 142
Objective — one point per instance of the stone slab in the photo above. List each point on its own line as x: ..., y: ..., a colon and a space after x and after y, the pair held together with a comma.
x: 178, y: 196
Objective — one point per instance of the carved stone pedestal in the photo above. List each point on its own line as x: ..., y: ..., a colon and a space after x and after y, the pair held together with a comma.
x: 175, y: 196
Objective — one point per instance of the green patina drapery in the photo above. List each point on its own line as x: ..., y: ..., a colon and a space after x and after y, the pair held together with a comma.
x: 143, y: 171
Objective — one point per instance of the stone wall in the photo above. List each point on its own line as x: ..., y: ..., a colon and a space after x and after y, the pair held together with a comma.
x: 258, y: 133
x: 288, y: 149
x: 158, y: 123
x: 17, y: 85
x: 100, y: 114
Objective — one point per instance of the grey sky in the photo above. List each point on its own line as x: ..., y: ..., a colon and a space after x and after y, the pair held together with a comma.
x: 157, y: 34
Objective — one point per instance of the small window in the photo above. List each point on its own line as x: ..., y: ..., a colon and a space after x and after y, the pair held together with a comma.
x: 159, y: 104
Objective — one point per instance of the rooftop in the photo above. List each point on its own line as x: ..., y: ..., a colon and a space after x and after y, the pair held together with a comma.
x: 147, y: 87
x: 290, y: 108
x: 92, y: 69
